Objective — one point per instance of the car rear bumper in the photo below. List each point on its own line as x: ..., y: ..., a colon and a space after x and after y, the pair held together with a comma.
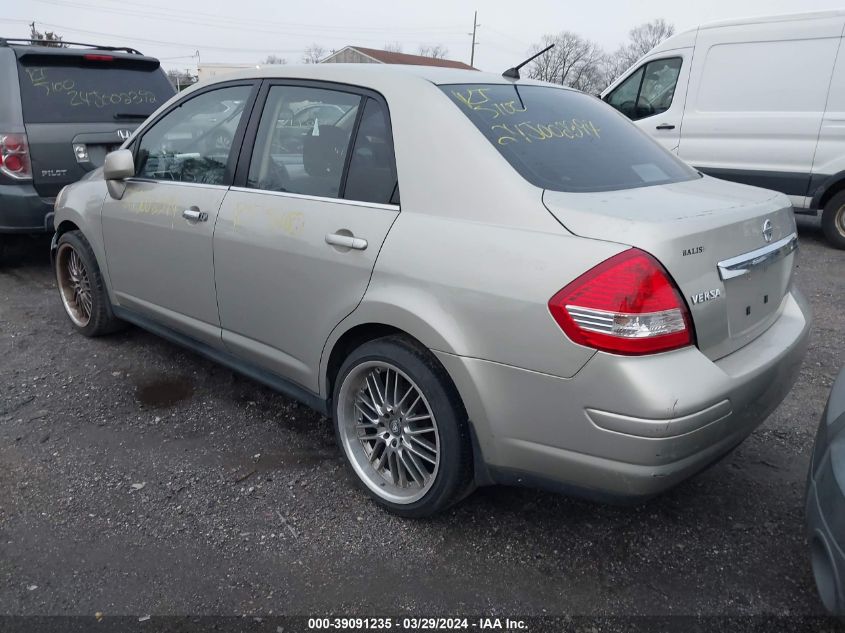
x: 628, y: 427
x: 22, y: 210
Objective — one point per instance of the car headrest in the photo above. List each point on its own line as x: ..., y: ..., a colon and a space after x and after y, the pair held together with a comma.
x: 323, y: 153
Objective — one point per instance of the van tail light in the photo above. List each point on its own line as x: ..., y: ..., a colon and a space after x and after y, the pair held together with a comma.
x: 628, y: 304
x: 98, y: 58
x: 14, y: 156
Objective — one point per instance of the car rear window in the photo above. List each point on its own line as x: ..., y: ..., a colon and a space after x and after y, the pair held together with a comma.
x: 564, y: 140
x: 74, y: 91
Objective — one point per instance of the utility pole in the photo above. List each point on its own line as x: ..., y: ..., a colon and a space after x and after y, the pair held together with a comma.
x: 475, y: 26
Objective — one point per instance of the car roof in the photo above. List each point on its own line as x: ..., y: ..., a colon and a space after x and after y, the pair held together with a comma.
x: 373, y: 75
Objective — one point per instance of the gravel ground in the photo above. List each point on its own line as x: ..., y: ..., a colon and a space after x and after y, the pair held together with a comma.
x: 137, y: 478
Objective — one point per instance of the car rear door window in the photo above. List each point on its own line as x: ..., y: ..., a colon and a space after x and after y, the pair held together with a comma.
x: 372, y: 170
x: 193, y: 142
x: 303, y: 141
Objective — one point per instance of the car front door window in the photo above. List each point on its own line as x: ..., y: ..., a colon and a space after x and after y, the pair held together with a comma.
x: 193, y: 142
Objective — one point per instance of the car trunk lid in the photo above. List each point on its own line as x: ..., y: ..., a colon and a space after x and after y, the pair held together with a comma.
x: 727, y: 246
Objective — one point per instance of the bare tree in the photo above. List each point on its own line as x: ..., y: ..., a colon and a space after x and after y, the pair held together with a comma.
x: 273, y: 60
x: 181, y: 79
x: 641, y: 39
x: 646, y: 36
x: 393, y: 47
x: 574, y: 61
x: 47, y: 38
x: 614, y: 65
x: 313, y: 54
x: 437, y: 51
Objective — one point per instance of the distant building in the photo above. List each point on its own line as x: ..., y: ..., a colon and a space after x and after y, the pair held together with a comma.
x: 210, y: 71
x: 361, y: 55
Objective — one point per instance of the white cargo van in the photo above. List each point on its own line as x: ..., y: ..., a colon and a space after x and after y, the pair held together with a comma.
x: 759, y: 101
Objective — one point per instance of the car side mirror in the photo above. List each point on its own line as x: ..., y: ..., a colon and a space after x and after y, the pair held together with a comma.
x: 118, y: 166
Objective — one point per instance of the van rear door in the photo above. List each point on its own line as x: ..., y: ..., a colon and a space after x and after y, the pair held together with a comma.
x: 80, y: 104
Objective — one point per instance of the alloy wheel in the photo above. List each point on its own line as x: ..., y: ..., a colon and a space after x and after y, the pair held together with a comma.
x: 388, y: 431
x: 74, y: 285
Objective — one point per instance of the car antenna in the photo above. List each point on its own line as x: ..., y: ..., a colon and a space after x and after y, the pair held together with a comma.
x: 513, y: 73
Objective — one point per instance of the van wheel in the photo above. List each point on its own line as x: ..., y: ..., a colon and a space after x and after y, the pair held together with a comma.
x: 833, y: 220
x: 402, y: 427
x: 81, y: 286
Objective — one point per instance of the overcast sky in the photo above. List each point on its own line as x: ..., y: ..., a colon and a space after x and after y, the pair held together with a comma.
x: 246, y: 31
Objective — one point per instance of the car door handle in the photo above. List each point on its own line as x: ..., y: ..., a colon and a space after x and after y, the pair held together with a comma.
x: 346, y: 241
x: 194, y: 215
x: 665, y: 126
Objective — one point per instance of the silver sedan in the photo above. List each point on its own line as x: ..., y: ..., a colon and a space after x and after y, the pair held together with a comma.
x: 480, y: 279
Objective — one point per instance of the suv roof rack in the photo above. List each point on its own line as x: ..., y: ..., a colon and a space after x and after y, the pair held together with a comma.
x: 5, y: 41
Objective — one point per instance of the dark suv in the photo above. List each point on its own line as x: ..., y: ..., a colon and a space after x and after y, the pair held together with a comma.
x: 61, y: 111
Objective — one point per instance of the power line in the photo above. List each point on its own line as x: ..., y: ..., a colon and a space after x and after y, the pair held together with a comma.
x: 183, y: 44
x: 294, y: 29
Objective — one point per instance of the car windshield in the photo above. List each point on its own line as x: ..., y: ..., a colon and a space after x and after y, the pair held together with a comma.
x: 70, y: 92
x: 564, y: 140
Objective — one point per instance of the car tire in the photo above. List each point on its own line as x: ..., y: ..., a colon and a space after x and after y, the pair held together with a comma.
x: 81, y: 286
x: 387, y: 393
x: 833, y: 220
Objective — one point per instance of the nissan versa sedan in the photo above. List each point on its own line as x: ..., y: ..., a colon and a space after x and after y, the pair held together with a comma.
x: 826, y: 502
x: 479, y: 279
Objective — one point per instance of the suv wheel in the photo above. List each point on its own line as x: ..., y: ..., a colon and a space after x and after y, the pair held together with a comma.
x: 833, y: 220
x: 402, y: 427
x: 81, y: 286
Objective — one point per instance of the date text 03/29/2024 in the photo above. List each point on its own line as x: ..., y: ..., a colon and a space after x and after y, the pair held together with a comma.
x: 417, y: 624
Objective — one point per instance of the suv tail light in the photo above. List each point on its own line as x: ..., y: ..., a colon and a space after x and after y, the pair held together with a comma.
x: 14, y: 156
x: 628, y: 304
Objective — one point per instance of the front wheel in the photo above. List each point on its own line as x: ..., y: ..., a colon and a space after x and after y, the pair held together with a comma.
x: 81, y: 286
x: 402, y: 427
x: 833, y: 220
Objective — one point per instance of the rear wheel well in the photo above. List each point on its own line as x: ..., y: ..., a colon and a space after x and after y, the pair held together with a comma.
x: 355, y: 337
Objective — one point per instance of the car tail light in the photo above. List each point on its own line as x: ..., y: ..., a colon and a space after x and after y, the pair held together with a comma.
x: 628, y: 304
x: 14, y: 156
x: 98, y: 58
